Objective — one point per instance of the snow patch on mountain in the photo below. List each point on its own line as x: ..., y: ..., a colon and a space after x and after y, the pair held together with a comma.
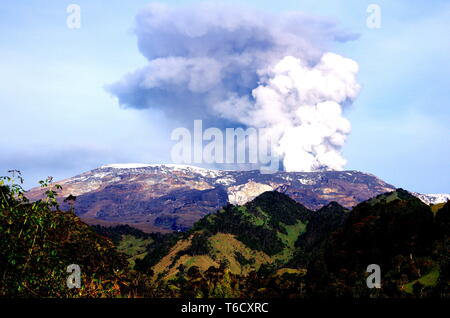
x: 307, y: 181
x: 168, y: 167
x: 243, y: 193
x: 432, y: 198
x: 126, y: 166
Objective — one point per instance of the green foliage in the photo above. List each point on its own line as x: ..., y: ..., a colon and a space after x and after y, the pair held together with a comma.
x: 115, y: 233
x: 38, y: 242
x: 282, y: 210
x: 232, y: 221
x: 161, y: 245
x: 429, y: 279
x: 397, y: 232
x: 199, y: 244
x: 128, y: 240
x: 320, y: 225
x: 258, y: 223
x: 132, y: 246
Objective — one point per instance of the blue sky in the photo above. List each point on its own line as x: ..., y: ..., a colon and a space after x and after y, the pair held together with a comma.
x: 57, y: 118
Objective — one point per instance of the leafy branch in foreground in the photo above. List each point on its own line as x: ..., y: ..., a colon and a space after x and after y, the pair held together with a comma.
x: 38, y: 241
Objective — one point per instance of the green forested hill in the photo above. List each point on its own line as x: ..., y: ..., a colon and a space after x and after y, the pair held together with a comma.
x: 326, y: 251
x: 400, y: 234
x: 263, y: 231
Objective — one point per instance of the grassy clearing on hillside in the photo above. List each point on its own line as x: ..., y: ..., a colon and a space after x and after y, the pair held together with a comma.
x: 226, y: 245
x: 135, y: 248
x: 436, y: 207
x: 255, y: 220
x: 429, y: 279
x: 289, y: 239
x: 165, y: 265
x: 285, y: 270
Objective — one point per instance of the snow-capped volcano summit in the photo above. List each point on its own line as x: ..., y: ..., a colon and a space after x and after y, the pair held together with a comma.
x: 161, y: 197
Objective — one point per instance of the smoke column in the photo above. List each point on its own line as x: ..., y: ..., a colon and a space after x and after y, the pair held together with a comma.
x: 242, y: 67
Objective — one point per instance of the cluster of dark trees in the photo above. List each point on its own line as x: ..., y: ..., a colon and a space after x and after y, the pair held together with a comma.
x: 402, y: 236
x: 221, y: 283
x: 115, y: 233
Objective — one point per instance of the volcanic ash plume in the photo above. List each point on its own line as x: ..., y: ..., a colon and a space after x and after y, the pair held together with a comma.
x: 302, y: 105
x: 240, y: 67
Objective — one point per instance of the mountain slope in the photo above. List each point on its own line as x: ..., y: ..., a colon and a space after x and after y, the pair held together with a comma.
x: 165, y: 198
x: 259, y: 232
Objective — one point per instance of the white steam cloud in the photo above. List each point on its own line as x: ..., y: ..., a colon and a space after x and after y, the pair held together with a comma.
x: 235, y: 67
x: 302, y: 107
